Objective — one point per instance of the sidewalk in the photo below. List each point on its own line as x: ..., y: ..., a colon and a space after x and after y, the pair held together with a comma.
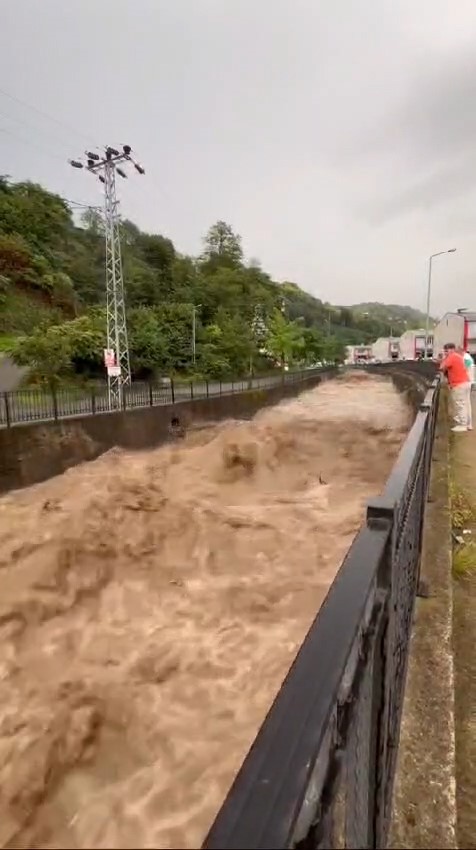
x: 463, y: 479
x: 435, y: 794
x: 10, y: 374
x: 424, y: 815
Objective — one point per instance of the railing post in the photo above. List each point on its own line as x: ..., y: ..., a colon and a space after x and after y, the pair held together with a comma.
x: 93, y: 401
x: 191, y: 390
x: 220, y: 388
x: 123, y: 397
x: 381, y: 514
x: 55, y: 403
x: 151, y: 394
x: 7, y: 410
x: 208, y: 388
x: 172, y: 390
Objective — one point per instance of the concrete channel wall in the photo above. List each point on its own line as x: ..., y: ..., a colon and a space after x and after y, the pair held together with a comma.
x: 35, y: 452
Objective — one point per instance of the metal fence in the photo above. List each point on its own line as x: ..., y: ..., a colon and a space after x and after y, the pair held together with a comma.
x: 320, y: 773
x: 40, y: 405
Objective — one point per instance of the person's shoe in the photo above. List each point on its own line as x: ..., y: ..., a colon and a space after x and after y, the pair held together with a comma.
x: 459, y: 428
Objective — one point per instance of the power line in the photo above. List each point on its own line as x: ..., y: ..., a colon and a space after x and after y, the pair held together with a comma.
x: 44, y: 114
x: 35, y: 129
x: 30, y: 143
x: 79, y: 205
x: 75, y: 204
x: 160, y: 188
x: 66, y: 200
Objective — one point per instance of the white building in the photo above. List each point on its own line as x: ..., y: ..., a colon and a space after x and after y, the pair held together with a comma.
x: 358, y: 353
x: 412, y: 344
x: 386, y: 348
x: 459, y: 328
x: 349, y: 354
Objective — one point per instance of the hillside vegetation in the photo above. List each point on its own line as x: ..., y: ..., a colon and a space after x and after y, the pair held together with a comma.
x: 52, y: 294
x: 401, y: 317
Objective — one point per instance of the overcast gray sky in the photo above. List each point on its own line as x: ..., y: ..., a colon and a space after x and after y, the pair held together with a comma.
x: 338, y: 137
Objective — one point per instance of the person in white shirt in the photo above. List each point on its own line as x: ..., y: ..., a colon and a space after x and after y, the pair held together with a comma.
x: 469, y: 364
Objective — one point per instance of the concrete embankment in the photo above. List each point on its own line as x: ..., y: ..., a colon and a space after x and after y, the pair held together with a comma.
x: 35, y: 452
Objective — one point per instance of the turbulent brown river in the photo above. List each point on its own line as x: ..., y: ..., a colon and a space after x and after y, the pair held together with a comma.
x: 151, y: 604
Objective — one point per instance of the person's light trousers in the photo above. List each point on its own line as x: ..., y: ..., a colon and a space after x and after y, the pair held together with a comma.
x: 461, y: 396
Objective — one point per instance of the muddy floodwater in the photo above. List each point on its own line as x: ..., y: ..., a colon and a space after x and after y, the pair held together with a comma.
x: 151, y: 604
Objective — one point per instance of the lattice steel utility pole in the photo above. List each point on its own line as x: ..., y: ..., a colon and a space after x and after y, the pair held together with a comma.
x: 117, y: 354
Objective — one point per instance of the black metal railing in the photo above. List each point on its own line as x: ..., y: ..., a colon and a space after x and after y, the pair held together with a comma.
x: 321, y: 770
x: 40, y: 405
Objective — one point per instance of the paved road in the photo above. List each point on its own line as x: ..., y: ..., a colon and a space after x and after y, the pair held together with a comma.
x: 24, y: 406
x: 10, y: 374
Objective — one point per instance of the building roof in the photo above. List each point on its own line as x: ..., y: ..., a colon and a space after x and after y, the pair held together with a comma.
x: 468, y: 314
x: 415, y: 332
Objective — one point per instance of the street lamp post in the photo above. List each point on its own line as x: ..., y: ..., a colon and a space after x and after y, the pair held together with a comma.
x: 195, y: 307
x: 428, y: 295
x: 391, y: 320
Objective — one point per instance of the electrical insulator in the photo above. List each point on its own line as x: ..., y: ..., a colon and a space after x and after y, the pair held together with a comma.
x: 139, y: 168
x: 75, y: 163
x: 92, y: 155
x: 90, y: 163
x: 112, y: 151
x: 122, y: 173
x: 127, y: 149
x: 102, y: 179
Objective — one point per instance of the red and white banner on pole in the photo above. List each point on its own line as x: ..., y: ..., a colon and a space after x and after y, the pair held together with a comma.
x: 113, y: 370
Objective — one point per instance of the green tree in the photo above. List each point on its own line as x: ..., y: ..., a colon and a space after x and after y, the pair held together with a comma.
x: 87, y: 341
x: 41, y: 218
x: 157, y: 251
x: 144, y: 286
x: 93, y: 222
x: 47, y: 352
x: 147, y: 341
x: 333, y: 350
x: 231, y: 341
x: 222, y: 246
x: 212, y: 361
x: 284, y: 340
x: 314, y: 346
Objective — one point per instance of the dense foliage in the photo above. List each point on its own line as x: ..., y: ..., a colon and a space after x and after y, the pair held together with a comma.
x: 52, y: 299
x: 399, y: 317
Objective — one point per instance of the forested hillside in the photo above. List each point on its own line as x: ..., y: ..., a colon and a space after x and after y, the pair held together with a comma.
x: 401, y: 316
x: 52, y: 315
